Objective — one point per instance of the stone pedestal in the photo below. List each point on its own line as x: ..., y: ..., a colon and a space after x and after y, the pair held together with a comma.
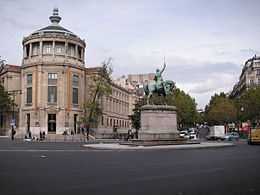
x: 158, y: 122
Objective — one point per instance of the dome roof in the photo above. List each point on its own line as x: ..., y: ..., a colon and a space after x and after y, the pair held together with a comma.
x: 54, y: 27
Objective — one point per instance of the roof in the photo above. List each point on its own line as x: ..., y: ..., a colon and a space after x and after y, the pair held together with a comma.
x: 54, y: 27
x: 10, y: 68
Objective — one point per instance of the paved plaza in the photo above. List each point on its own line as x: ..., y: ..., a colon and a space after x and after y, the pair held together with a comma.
x: 69, y: 168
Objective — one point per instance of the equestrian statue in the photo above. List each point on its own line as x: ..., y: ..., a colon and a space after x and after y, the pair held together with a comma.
x: 158, y: 85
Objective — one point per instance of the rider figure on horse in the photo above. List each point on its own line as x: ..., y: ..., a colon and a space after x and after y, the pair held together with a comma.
x: 158, y: 85
x: 158, y: 78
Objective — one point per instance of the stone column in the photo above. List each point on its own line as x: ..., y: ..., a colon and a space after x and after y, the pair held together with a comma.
x: 66, y: 49
x: 24, y: 51
x: 82, y: 54
x: 30, y: 50
x: 76, y: 50
x: 53, y: 48
x: 40, y: 52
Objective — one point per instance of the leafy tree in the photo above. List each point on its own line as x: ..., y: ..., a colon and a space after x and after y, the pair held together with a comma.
x: 249, y: 105
x: 5, y: 100
x: 99, y: 86
x: 220, y: 110
x: 187, y: 114
x: 2, y: 63
x: 136, y: 116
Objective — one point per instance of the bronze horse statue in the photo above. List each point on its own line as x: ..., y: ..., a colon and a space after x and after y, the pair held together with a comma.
x: 164, y: 89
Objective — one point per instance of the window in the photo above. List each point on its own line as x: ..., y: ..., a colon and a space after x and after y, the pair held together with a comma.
x: 258, y: 81
x: 29, y: 95
x: 79, y: 52
x: 71, y: 49
x: 52, y: 87
x: 35, y: 49
x: 47, y: 47
x: 59, y: 48
x: 52, y: 94
x: 75, y: 93
x: 26, y: 51
x: 75, y: 80
x: 29, y: 79
x: 52, y: 78
x: 75, y: 90
x: 48, y: 50
x: 258, y: 72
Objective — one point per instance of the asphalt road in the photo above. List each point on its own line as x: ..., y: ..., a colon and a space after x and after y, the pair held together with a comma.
x: 67, y: 168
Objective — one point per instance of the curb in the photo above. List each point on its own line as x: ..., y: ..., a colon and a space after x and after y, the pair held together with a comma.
x: 175, y: 147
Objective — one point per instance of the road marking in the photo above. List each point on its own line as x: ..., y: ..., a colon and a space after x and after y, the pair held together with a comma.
x: 40, y: 150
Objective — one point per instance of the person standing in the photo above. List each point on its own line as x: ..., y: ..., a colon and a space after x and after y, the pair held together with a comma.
x: 158, y: 77
x: 12, y: 133
x: 87, y: 129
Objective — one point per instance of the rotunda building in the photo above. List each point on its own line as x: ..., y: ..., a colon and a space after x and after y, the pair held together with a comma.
x: 52, y: 79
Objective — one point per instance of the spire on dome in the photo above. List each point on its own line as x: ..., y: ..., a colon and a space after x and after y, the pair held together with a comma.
x: 55, y: 18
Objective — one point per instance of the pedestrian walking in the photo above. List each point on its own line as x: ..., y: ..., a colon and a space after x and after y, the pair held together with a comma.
x: 13, y: 132
x: 43, y: 135
x: 40, y: 135
x: 87, y: 132
x: 30, y: 134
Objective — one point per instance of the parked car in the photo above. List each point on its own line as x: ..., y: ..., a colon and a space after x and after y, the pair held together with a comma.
x: 184, y: 134
x: 192, y: 130
x: 232, y: 136
x: 193, y: 136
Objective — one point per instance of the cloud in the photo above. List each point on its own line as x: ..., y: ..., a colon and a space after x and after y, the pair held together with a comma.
x: 16, y: 23
x: 249, y: 51
x: 216, y: 82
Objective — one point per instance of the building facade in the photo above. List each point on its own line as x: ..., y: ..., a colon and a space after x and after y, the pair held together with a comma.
x: 10, y: 77
x: 250, y: 77
x: 53, y: 84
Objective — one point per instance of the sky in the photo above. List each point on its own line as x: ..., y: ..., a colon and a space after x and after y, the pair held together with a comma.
x: 205, y: 43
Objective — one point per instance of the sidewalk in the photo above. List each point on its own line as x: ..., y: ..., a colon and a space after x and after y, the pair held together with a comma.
x: 116, y: 146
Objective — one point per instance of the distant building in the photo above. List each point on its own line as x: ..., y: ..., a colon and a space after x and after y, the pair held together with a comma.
x: 134, y: 84
x: 123, y: 81
x: 10, y: 78
x: 249, y: 78
x: 138, y: 80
